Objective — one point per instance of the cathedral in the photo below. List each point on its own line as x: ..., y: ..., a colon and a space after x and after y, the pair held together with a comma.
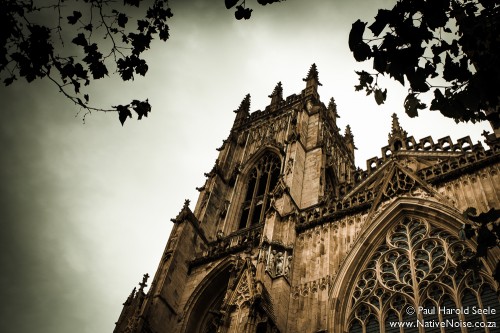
x: 289, y: 236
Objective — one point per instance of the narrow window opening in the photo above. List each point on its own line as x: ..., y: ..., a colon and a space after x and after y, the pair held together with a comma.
x: 261, y: 182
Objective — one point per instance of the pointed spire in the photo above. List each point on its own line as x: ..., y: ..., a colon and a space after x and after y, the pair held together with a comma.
x: 130, y: 297
x: 276, y: 96
x: 243, y: 111
x: 277, y: 92
x: 312, y: 82
x: 397, y: 137
x: 244, y: 105
x: 312, y: 74
x: 396, y: 128
x: 332, y: 106
x: 348, y: 135
x: 349, y: 140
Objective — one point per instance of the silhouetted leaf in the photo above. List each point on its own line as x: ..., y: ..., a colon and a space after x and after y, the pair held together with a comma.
x: 76, y: 86
x: 247, y: 13
x: 74, y: 18
x: 230, y: 3
x: 362, y: 52
x: 242, y: 12
x: 140, y: 42
x: 142, y: 25
x: 412, y: 105
x: 122, y: 20
x: 394, y: 70
x: 356, y: 34
x: 379, y: 61
x: 125, y: 68
x: 98, y: 70
x: 141, y: 68
x: 123, y: 113
x: 381, y: 20
x: 163, y: 34
x: 79, y: 71
x: 365, y: 79
x: 434, y: 13
x: 380, y: 96
x: 80, y: 40
x: 141, y: 108
x: 417, y: 80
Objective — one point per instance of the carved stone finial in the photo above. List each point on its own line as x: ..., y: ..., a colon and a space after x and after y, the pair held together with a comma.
x: 244, y: 105
x: 396, y: 128
x: 276, y: 96
x: 130, y: 297
x: 349, y: 139
x: 312, y: 83
x: 243, y: 111
x: 278, y: 91
x: 397, y: 137
x: 143, y: 284
x: 312, y: 75
x: 184, y: 213
x: 332, y: 106
x: 348, y: 134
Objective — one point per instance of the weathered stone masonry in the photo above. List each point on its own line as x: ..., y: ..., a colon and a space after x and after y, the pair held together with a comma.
x: 289, y: 236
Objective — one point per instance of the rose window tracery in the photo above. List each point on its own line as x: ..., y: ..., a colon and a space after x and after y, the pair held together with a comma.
x: 416, y: 266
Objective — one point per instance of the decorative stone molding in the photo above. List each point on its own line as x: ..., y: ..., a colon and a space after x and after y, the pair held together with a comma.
x: 312, y: 287
x: 242, y: 240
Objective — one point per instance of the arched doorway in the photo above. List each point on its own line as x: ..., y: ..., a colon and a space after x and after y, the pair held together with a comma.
x: 206, y: 301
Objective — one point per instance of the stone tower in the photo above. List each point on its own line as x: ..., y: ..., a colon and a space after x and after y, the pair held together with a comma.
x: 288, y: 236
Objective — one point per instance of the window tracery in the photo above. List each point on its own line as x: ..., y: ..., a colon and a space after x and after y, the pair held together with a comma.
x: 261, y: 181
x: 416, y: 266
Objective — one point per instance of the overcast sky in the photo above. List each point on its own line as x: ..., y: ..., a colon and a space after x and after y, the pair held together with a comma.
x: 85, y: 208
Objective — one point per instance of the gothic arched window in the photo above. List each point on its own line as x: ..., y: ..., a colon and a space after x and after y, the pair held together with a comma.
x: 260, y: 182
x: 416, y: 268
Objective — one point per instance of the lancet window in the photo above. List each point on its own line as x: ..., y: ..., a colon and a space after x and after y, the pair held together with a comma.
x: 261, y: 181
x: 413, y: 278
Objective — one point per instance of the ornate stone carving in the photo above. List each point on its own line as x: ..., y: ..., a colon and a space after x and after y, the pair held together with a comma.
x: 278, y: 260
x: 311, y: 287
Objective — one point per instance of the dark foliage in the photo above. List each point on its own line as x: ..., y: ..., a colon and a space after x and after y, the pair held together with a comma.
x: 243, y: 12
x: 104, y: 35
x: 451, y: 47
x: 487, y: 229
